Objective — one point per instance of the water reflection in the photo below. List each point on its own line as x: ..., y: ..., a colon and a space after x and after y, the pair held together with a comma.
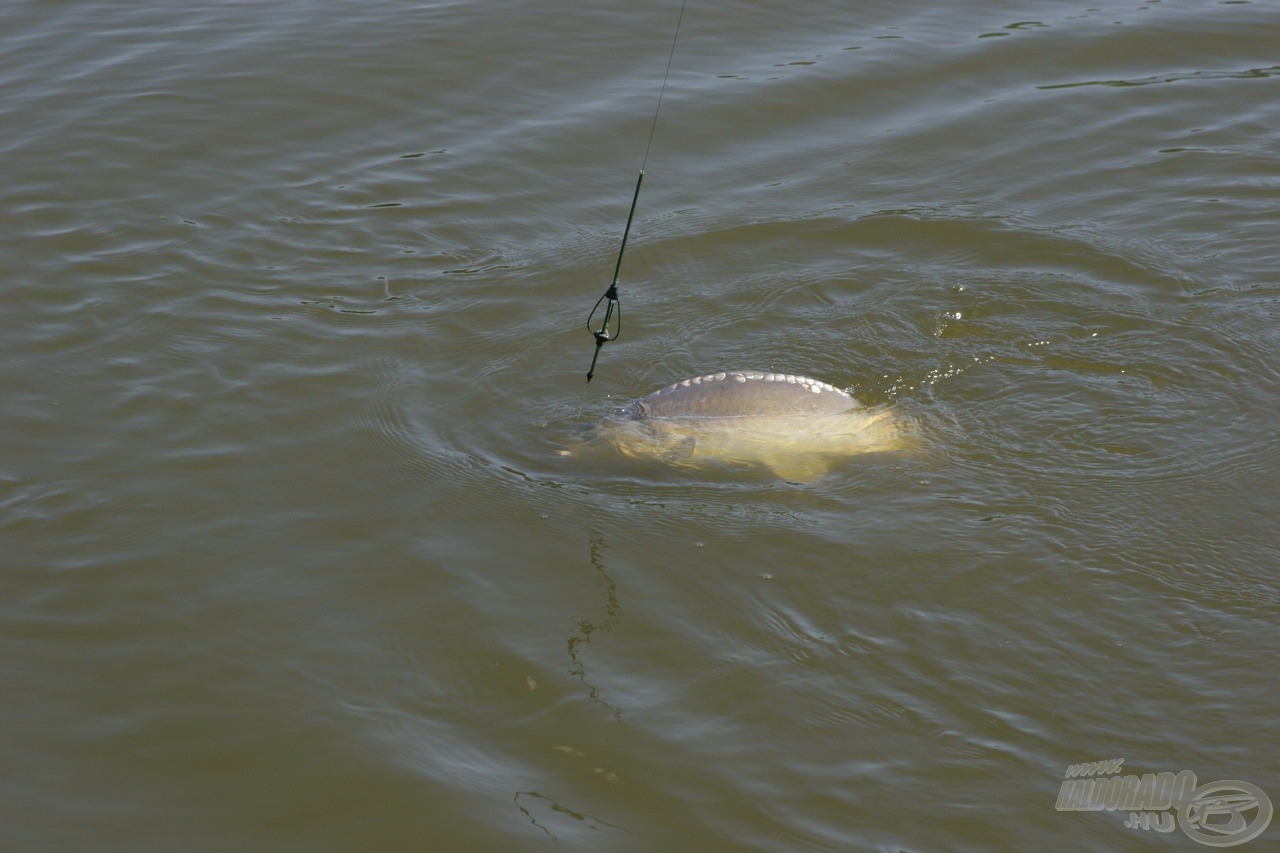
x: 587, y: 627
x: 534, y: 801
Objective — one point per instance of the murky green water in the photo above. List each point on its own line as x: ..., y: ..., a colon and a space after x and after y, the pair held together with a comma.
x: 293, y: 303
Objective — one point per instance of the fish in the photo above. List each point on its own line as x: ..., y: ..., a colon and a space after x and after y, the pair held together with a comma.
x: 795, y: 427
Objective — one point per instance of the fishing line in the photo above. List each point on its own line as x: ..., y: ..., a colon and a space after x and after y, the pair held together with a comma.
x: 611, y: 327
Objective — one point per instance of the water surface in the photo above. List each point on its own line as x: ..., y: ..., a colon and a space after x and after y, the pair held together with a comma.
x: 293, y: 329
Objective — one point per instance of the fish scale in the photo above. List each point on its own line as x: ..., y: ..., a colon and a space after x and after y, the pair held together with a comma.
x: 745, y: 393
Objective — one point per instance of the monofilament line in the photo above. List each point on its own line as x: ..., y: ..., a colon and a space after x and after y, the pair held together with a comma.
x: 610, y: 297
x: 666, y: 74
